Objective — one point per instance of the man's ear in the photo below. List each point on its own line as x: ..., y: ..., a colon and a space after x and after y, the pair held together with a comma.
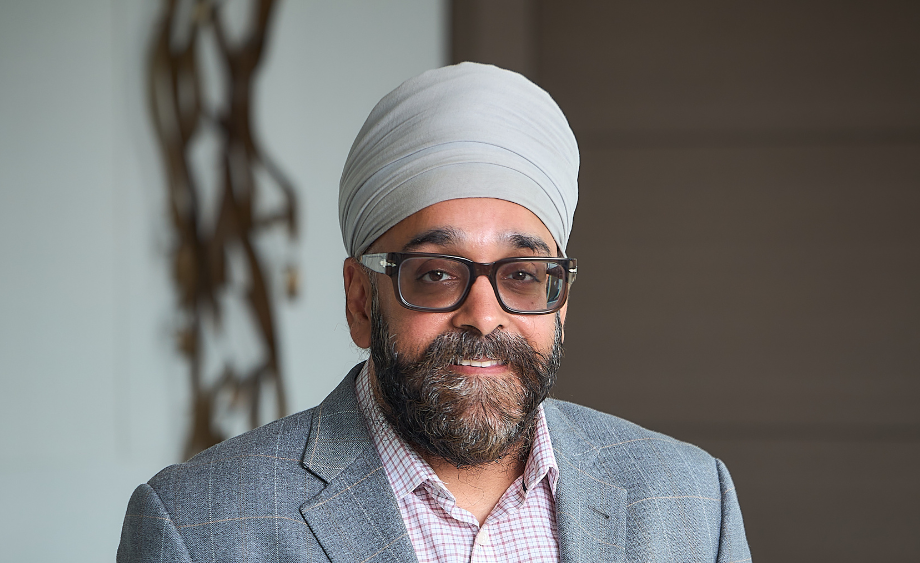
x: 357, y: 302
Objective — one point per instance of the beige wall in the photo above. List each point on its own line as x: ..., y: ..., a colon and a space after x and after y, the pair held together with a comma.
x: 748, y: 237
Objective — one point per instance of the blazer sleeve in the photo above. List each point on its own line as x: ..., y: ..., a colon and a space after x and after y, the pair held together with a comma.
x: 149, y: 534
x: 733, y: 546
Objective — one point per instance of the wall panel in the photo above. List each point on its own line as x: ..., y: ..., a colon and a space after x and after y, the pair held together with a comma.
x: 748, y: 243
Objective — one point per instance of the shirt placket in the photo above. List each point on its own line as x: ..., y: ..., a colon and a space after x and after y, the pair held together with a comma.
x: 482, y: 546
x: 507, y: 507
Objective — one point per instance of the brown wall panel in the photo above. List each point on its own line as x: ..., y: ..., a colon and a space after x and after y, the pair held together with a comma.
x: 748, y: 237
x: 747, y: 285
x: 740, y: 66
x: 499, y: 32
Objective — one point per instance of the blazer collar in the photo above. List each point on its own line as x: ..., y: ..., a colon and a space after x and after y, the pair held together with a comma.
x: 355, y: 516
x: 590, y: 505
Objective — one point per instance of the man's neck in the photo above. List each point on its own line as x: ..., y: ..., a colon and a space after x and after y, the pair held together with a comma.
x: 478, y: 489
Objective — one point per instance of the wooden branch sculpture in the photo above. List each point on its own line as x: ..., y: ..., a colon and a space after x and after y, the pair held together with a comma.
x: 200, y: 251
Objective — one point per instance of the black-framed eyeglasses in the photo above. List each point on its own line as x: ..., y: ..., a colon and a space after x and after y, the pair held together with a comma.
x: 439, y: 283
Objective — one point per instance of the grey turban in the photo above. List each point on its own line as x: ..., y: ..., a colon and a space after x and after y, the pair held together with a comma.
x: 468, y: 130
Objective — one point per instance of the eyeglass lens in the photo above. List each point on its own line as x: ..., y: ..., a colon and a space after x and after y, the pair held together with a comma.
x: 437, y: 283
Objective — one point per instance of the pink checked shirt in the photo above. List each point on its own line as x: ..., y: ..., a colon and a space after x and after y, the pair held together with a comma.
x: 521, y: 527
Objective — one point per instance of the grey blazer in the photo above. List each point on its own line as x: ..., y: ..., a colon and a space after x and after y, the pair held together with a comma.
x: 310, y: 487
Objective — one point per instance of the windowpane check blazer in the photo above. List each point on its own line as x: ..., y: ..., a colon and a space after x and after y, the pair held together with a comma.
x: 311, y: 487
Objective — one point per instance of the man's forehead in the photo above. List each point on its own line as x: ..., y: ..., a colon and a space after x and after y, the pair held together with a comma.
x: 470, y: 222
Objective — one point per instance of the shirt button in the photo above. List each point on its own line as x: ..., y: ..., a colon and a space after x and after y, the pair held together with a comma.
x: 482, y: 538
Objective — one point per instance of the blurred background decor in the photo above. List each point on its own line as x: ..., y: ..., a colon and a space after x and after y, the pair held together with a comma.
x: 216, y: 229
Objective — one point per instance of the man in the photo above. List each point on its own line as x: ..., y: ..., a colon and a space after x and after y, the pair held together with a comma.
x: 456, y: 204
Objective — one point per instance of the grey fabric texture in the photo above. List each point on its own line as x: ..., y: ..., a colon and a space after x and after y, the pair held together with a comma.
x: 468, y: 130
x: 311, y: 487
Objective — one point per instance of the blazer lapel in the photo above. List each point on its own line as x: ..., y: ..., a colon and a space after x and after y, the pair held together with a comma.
x: 355, y: 516
x: 590, y: 506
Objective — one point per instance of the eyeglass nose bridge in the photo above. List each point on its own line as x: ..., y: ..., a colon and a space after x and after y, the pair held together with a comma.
x: 488, y: 270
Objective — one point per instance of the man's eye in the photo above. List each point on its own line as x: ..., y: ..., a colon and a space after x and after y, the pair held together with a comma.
x: 522, y: 276
x: 434, y: 276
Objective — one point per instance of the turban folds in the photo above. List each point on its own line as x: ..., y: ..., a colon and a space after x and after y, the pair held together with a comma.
x: 468, y: 130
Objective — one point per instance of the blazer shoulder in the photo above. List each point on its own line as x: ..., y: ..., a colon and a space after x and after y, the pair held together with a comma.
x: 677, y: 501
x: 280, y: 438
x: 278, y: 444
x: 250, y: 488
x: 235, y: 465
x: 638, y: 455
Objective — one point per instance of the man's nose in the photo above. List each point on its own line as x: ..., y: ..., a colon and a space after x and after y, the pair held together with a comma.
x: 481, y: 309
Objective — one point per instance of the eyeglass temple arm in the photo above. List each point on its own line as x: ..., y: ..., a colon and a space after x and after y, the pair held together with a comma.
x: 377, y: 262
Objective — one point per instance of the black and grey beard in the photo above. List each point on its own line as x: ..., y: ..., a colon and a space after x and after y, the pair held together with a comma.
x: 464, y: 420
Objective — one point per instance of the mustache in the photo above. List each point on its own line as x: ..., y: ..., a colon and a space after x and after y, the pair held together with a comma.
x: 451, y: 348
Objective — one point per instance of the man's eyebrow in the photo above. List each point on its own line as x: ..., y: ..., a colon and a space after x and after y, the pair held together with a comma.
x: 442, y: 236
x: 447, y: 236
x: 529, y: 242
